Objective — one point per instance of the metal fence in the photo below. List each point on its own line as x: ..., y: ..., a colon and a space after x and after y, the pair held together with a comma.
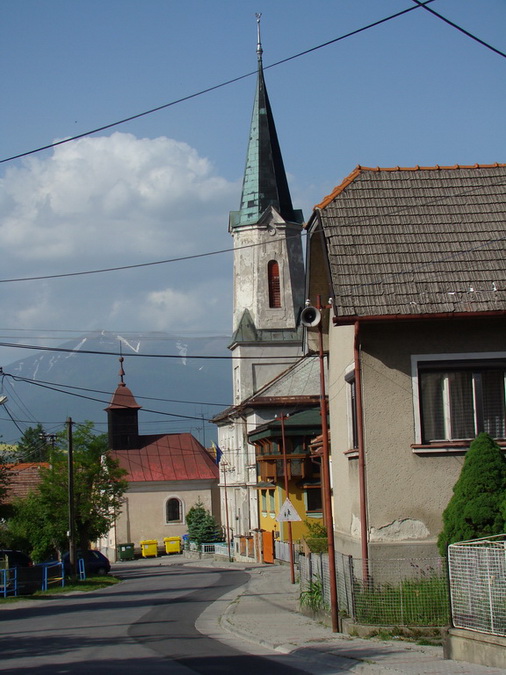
x: 477, y: 571
x: 400, y: 592
x: 282, y: 551
x: 26, y: 580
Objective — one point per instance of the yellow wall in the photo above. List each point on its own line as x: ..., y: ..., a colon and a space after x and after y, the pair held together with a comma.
x: 269, y: 507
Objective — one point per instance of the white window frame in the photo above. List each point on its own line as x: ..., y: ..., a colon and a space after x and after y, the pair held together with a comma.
x: 416, y: 359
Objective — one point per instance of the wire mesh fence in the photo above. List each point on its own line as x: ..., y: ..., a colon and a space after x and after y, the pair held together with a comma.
x: 477, y: 570
x: 400, y: 592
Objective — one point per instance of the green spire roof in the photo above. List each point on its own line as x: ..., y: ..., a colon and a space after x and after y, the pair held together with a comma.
x: 265, y: 182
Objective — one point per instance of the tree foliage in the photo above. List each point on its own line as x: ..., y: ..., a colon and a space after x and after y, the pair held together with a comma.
x: 476, y: 508
x: 34, y: 446
x: 202, y: 526
x: 4, y: 481
x: 99, y: 485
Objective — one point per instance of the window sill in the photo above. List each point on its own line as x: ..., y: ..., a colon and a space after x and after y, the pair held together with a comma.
x: 447, y: 447
x: 351, y: 454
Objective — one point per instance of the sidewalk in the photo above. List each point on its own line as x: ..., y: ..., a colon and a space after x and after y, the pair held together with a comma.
x: 264, y: 611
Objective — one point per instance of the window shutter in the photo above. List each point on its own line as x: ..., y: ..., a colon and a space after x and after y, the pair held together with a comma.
x: 274, y: 284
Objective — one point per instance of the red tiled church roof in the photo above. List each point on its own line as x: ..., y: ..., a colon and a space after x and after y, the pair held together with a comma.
x: 168, y: 457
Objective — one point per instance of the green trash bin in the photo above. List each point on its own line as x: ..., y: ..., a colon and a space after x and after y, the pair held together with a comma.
x: 126, y: 552
x: 172, y: 544
x: 149, y: 548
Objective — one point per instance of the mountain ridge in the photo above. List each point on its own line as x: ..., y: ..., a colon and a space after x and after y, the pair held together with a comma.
x: 158, y: 365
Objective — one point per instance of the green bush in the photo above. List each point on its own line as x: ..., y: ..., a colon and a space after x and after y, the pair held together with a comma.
x: 477, y: 507
x: 317, y: 540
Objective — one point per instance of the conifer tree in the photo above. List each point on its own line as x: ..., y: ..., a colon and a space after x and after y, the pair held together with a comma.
x: 477, y: 507
x: 202, y: 527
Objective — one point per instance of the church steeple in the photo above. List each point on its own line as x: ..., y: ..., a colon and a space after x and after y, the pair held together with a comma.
x: 265, y: 182
x: 122, y: 416
x: 268, y: 260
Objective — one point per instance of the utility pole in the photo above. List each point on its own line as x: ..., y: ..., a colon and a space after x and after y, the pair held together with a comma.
x: 287, y: 496
x: 225, y: 464
x: 71, y: 505
x: 327, y: 493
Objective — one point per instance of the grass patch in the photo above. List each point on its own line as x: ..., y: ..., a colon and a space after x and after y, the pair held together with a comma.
x: 412, y: 602
x: 312, y: 596
x: 427, y: 638
x: 90, y: 584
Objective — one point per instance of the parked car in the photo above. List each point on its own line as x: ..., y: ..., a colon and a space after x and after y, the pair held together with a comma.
x: 14, y: 558
x: 95, y: 563
x: 22, y: 577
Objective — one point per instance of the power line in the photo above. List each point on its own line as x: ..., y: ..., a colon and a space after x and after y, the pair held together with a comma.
x: 212, y: 88
x: 18, y: 378
x: 66, y: 350
x: 99, y: 400
x: 148, y: 264
x: 459, y: 28
x: 231, y: 250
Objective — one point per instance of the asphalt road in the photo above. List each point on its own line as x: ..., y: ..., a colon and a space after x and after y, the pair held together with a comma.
x: 146, y: 623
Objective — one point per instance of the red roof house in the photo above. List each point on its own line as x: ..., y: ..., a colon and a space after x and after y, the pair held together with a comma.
x: 167, y: 475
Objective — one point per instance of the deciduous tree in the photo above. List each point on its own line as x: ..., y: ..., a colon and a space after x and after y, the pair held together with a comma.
x: 99, y: 486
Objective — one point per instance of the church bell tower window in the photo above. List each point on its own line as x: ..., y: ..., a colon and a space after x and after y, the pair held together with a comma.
x: 274, y: 285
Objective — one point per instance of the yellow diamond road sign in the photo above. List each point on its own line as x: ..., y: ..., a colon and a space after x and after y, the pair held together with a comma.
x: 287, y: 512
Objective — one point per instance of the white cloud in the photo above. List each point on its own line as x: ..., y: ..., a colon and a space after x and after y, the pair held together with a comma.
x: 106, y: 202
x: 120, y: 192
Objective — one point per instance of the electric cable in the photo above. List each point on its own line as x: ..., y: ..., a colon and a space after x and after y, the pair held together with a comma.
x: 212, y: 88
x: 66, y: 350
x: 107, y: 402
x: 147, y: 264
x: 18, y: 378
x: 459, y: 28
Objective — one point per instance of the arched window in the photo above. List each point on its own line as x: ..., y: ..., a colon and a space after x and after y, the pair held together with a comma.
x: 274, y: 285
x: 173, y: 510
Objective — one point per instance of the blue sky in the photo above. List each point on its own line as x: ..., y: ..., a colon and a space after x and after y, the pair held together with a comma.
x: 413, y: 91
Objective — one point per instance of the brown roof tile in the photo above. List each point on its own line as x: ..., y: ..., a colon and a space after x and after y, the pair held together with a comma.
x: 421, y: 240
x: 23, y: 478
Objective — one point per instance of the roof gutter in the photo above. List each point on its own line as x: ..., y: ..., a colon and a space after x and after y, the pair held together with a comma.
x: 364, y: 534
x: 348, y: 320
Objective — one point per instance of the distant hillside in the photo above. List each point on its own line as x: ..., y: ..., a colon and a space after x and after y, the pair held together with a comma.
x: 197, y: 382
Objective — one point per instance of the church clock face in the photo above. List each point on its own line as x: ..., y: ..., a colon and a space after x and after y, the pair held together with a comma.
x: 271, y: 230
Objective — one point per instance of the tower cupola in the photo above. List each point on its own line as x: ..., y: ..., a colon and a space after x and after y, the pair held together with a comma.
x: 122, y: 416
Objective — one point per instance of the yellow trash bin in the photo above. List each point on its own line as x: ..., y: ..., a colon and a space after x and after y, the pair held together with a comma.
x: 149, y: 548
x: 172, y: 544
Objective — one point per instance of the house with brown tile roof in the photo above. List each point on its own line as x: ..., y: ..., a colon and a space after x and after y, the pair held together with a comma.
x: 167, y: 475
x: 23, y: 478
x: 413, y: 262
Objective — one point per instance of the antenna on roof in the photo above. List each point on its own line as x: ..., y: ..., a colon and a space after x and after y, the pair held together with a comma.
x: 259, y: 41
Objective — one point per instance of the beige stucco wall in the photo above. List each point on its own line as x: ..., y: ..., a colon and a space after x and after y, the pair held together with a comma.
x: 406, y: 492
x: 143, y: 514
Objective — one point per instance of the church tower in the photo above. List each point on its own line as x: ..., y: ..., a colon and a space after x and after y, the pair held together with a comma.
x: 268, y: 260
x: 122, y: 417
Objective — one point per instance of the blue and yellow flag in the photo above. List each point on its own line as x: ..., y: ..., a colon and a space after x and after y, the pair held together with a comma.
x: 217, y: 453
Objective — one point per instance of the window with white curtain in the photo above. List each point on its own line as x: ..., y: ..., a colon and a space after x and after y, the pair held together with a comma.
x: 459, y: 399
